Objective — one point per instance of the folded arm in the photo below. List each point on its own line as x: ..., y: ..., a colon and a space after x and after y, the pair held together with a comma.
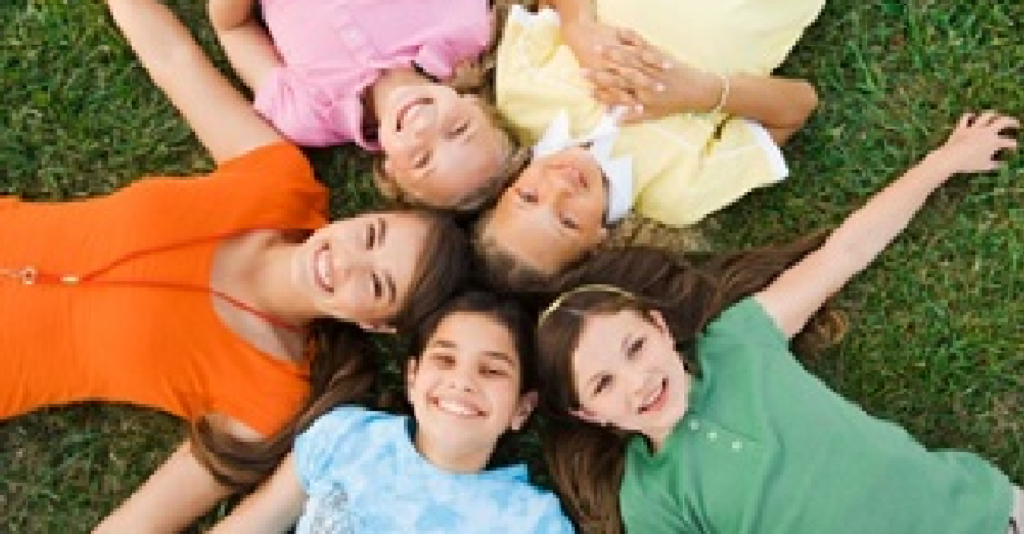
x: 218, y: 114
x: 246, y: 43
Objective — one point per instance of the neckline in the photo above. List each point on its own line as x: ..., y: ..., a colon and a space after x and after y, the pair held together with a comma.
x: 408, y: 444
x: 294, y: 365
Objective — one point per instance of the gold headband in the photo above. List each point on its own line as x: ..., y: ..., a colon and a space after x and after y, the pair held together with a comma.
x: 602, y: 288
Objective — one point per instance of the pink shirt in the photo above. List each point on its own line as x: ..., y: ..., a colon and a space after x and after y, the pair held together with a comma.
x: 334, y: 49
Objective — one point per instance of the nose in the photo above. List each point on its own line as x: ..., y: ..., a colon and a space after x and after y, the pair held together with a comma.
x: 461, y: 380
x: 554, y: 187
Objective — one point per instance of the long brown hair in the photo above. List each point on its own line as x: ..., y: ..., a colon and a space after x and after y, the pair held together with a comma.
x: 343, y: 369
x: 586, y: 461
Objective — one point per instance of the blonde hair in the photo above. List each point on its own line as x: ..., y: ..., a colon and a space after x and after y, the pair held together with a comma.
x: 516, y: 159
x: 472, y: 76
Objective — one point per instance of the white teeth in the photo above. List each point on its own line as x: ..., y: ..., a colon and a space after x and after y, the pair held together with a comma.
x: 456, y: 408
x: 653, y: 397
x: 323, y: 269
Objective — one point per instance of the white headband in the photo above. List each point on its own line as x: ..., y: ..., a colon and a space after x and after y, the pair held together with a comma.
x: 599, y: 142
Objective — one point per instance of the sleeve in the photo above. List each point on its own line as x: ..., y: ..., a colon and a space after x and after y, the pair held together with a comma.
x: 275, y: 159
x: 328, y: 441
x: 747, y: 319
x: 291, y: 104
x: 440, y: 55
x: 692, y: 165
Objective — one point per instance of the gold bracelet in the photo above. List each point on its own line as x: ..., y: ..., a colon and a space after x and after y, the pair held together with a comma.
x: 723, y: 96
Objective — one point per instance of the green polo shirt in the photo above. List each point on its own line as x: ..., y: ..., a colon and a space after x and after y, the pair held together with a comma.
x: 768, y: 448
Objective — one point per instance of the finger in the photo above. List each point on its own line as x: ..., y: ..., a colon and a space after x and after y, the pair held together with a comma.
x: 630, y: 37
x: 639, y: 80
x: 1007, y: 144
x: 634, y: 115
x: 622, y: 56
x: 965, y: 120
x: 649, y: 57
x: 655, y: 60
x: 986, y: 118
x: 1005, y: 122
x: 606, y: 79
x: 617, y: 97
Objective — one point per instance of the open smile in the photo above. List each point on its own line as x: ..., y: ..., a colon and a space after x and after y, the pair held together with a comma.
x: 457, y: 407
x: 656, y: 399
x: 408, y: 110
x: 323, y: 274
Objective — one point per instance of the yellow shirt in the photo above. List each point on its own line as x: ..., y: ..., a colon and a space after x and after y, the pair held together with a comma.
x: 687, y: 165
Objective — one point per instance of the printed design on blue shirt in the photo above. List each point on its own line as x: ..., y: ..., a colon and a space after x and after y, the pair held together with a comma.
x: 329, y: 513
x: 362, y: 474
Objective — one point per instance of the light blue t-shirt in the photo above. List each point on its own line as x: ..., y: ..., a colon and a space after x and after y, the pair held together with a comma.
x: 362, y: 474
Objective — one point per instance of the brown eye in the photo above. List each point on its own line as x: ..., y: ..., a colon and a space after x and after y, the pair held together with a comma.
x: 378, y: 286
x: 493, y: 372
x: 460, y: 129
x: 636, y: 347
x: 528, y: 197
x: 569, y: 223
x: 443, y: 360
x: 602, y: 384
x: 371, y: 236
x: 421, y: 161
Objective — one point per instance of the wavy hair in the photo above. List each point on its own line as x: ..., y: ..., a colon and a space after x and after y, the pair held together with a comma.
x: 586, y: 461
x: 343, y: 368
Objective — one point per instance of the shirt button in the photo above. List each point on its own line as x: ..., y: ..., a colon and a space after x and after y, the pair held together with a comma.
x: 694, y: 425
x: 736, y: 446
x: 712, y: 435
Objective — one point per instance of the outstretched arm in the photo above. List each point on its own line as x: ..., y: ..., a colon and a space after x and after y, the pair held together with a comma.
x: 219, y: 115
x: 273, y: 508
x: 176, y: 494
x: 798, y: 293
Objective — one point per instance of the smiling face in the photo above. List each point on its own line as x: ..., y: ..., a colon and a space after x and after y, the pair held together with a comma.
x: 627, y: 373
x: 465, y: 389
x: 441, y: 148
x: 553, y: 214
x: 361, y: 269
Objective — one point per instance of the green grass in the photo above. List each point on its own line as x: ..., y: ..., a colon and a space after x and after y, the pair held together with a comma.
x: 936, y: 332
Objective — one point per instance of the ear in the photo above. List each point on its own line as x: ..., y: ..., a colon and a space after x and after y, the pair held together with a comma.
x: 584, y: 414
x: 377, y: 328
x: 527, y: 402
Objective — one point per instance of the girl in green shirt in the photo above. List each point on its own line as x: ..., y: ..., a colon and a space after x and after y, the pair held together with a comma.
x: 736, y: 436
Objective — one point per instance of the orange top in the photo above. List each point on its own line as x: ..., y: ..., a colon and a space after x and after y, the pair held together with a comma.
x: 159, y: 347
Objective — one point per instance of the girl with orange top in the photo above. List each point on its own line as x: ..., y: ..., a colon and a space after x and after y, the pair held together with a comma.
x: 208, y: 297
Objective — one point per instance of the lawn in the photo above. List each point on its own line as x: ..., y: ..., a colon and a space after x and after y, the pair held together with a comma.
x: 936, y: 334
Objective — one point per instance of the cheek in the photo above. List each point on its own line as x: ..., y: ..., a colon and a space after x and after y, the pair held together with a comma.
x: 347, y: 302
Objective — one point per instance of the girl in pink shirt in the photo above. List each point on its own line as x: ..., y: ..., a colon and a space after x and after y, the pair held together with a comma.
x: 326, y: 72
